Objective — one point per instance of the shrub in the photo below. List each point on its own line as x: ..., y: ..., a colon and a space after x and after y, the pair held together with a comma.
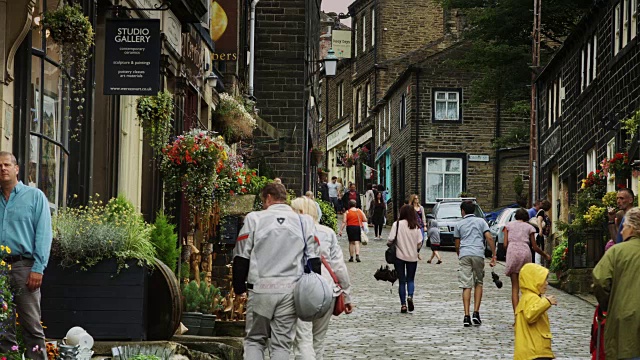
x: 559, y: 257
x: 165, y: 240
x: 329, y: 218
x: 192, y: 296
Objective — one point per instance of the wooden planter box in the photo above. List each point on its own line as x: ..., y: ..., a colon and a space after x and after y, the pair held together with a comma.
x: 107, y: 305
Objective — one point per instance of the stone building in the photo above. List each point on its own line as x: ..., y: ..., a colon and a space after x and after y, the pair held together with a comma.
x: 399, y: 83
x: 591, y: 84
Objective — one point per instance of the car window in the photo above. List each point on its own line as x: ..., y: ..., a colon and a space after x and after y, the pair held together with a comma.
x: 452, y: 211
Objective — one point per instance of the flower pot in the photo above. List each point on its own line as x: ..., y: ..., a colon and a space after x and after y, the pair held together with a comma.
x: 192, y: 321
x: 207, y: 325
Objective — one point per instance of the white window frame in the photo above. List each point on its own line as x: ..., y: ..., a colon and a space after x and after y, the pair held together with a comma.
x: 379, y: 126
x: 358, y: 106
x: 588, y: 72
x: 595, y: 56
x: 611, y: 151
x: 582, y: 71
x: 340, y: 100
x: 384, y: 122
x: 561, y: 97
x: 592, y: 161
x: 389, y: 108
x: 355, y: 37
x: 402, y: 110
x: 364, y: 33
x: 447, y: 101
x: 634, y: 18
x: 373, y: 27
x: 616, y: 29
x: 443, y: 173
x: 625, y: 22
x: 367, y: 97
x: 549, y: 107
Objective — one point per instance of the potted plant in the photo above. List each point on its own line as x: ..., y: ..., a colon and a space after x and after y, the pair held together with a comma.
x: 70, y: 28
x: 317, y: 155
x: 101, y: 253
x: 234, y: 119
x: 191, y: 317
x: 208, y: 293
x: 349, y: 161
x: 154, y: 114
x: 559, y: 258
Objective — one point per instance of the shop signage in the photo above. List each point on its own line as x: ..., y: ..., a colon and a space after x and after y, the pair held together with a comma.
x: 132, y: 57
x: 340, y: 155
x: 337, y: 137
x: 192, y: 53
x: 224, y: 29
x: 481, y: 158
x: 362, y: 139
x: 172, y: 29
x: 341, y: 43
x: 550, y: 146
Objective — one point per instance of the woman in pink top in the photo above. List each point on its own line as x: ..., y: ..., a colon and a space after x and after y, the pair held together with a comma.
x: 519, y: 235
x: 408, y: 237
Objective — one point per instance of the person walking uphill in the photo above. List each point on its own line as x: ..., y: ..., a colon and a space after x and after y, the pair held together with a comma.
x: 267, y: 263
x: 355, y: 221
x: 351, y: 194
x: 532, y: 330
x: 25, y: 223
x: 408, y: 237
x: 616, y: 286
x: 469, y: 236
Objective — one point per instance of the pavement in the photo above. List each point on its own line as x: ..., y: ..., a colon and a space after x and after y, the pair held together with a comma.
x: 377, y: 329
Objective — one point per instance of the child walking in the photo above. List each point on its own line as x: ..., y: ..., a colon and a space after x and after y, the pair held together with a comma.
x: 533, y: 332
x: 433, y: 233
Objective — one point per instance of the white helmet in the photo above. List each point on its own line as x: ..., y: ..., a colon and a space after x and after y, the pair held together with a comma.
x: 312, y: 296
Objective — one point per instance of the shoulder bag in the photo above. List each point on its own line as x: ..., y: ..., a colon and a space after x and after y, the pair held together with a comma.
x: 339, y: 306
x: 364, y: 239
x: 390, y: 253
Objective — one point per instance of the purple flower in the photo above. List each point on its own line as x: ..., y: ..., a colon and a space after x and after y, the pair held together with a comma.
x: 36, y: 348
x: 14, y: 348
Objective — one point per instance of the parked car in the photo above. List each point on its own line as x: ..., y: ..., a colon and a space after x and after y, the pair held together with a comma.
x: 506, y: 216
x: 447, y: 213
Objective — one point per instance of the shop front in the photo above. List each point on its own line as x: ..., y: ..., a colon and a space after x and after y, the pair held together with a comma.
x: 338, y: 148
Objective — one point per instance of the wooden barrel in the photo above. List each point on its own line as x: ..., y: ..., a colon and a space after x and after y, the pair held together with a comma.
x: 165, y: 303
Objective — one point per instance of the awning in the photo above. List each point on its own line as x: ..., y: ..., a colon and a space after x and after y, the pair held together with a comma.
x: 386, y: 147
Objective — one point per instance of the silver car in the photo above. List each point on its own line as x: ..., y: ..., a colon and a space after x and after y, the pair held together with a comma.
x: 506, y: 216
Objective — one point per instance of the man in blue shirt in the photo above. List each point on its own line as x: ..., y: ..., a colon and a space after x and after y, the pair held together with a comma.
x: 534, y: 210
x: 25, y: 228
x: 470, y: 233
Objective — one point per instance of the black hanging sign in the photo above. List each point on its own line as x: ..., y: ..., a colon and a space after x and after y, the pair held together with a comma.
x: 132, y: 57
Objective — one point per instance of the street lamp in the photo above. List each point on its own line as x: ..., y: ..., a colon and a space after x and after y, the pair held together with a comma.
x: 212, y: 80
x: 330, y: 63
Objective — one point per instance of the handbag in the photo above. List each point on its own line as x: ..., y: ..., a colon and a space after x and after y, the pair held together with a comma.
x: 390, y: 253
x: 339, y: 306
x: 364, y: 239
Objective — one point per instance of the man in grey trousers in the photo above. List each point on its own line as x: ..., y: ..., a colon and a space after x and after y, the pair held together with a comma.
x: 25, y: 227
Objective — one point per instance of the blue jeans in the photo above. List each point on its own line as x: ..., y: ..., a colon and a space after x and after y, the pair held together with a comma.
x: 406, y: 275
x: 335, y: 203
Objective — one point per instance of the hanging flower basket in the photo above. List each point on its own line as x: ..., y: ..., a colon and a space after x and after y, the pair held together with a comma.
x: 317, y: 155
x: 189, y: 165
x: 233, y: 118
x: 154, y: 114
x: 349, y: 161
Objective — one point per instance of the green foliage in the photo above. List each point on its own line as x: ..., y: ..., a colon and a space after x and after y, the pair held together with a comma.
x: 610, y: 199
x: 192, y: 296
x: 208, y: 294
x: 154, y: 115
x: 559, y: 257
x: 70, y: 28
x: 7, y: 305
x: 145, y: 357
x: 329, y: 218
x: 518, y: 185
x: 185, y: 271
x: 88, y: 234
x: 144, y: 352
x: 515, y: 137
x: 630, y: 126
x: 164, y: 238
x: 234, y: 118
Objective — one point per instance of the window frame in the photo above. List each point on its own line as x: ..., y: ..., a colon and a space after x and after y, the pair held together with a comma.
x: 364, y: 33
x: 617, y: 35
x: 340, y: 104
x: 591, y: 159
x: 611, y: 151
x: 443, y: 156
x: 358, y: 106
x: 355, y: 37
x: 373, y: 27
x: 402, y: 111
x: 434, y: 101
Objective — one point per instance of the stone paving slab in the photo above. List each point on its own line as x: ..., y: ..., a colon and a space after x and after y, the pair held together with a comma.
x: 377, y: 329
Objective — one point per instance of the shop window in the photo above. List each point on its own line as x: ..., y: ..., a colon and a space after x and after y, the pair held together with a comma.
x: 443, y: 178
x: 47, y: 154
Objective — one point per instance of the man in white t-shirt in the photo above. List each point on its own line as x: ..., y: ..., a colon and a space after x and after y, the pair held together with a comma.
x: 333, y: 193
x: 470, y: 234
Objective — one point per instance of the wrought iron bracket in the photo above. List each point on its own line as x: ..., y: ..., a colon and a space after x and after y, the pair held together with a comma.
x: 163, y: 6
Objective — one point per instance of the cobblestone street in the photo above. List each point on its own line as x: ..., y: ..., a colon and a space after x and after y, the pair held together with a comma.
x: 377, y: 329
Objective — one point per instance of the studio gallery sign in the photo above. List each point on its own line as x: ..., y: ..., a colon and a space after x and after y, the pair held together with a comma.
x: 132, y: 57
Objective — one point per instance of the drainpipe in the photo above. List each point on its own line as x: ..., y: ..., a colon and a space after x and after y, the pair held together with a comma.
x: 252, y: 46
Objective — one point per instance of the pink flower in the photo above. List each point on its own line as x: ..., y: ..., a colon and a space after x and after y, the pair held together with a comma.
x: 36, y: 348
x: 14, y: 348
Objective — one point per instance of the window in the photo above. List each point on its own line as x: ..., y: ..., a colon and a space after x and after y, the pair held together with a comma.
x: 611, y: 151
x: 443, y: 178
x: 403, y: 111
x: 373, y: 27
x: 355, y: 37
x: 47, y: 156
x: 447, y: 106
x: 389, y: 120
x: 379, y: 126
x: 625, y: 24
x: 364, y: 33
x: 594, y: 59
x: 591, y: 160
x: 555, y: 97
x: 340, y: 100
x: 384, y: 123
x: 589, y: 62
x: 367, y: 98
x: 358, y: 112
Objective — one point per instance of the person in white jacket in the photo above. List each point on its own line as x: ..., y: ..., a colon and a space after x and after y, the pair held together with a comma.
x: 309, y: 343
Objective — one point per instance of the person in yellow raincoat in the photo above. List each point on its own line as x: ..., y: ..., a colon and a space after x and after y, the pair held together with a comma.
x: 616, y: 286
x: 533, y: 332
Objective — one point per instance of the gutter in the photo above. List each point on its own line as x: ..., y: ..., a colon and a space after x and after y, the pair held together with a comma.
x: 252, y: 46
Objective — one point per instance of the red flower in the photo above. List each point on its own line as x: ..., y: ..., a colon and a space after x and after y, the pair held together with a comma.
x: 239, y: 181
x: 231, y: 192
x: 621, y: 186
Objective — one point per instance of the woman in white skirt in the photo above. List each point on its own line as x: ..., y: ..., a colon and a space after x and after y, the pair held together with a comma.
x: 309, y: 343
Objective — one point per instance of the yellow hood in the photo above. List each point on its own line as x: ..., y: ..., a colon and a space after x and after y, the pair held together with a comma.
x: 532, y: 276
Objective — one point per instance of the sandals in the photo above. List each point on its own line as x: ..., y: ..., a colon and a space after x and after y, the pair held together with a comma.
x: 403, y: 309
